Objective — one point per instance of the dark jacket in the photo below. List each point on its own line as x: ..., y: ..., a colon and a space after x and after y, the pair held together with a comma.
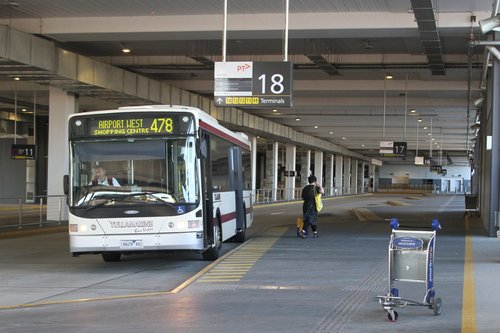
x: 309, y: 206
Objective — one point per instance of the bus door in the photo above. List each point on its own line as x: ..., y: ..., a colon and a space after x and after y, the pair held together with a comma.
x: 236, y: 183
x: 207, y: 189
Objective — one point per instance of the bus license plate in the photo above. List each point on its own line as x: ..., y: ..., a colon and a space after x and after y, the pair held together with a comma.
x: 131, y: 244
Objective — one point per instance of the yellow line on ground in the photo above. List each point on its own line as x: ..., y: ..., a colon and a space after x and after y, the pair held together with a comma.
x: 217, y: 280
x: 82, y: 300
x: 469, y: 297
x: 358, y: 214
x: 248, y: 254
x: 397, y: 203
x: 366, y: 214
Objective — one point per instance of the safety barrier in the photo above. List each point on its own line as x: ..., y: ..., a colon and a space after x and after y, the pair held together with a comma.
x: 22, y: 212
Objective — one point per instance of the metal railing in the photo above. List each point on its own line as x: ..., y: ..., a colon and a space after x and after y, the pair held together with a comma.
x: 263, y: 196
x: 21, y: 212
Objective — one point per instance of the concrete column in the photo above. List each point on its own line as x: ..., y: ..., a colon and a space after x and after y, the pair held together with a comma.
x: 31, y: 174
x: 271, y: 170
x: 271, y: 182
x: 61, y: 105
x: 329, y: 175
x: 355, y: 176
x: 339, y: 163
x: 347, y: 175
x: 305, y: 167
x: 290, y: 156
x: 374, y: 177
x: 318, y: 166
x: 494, y: 197
x: 363, y: 180
x: 253, y: 144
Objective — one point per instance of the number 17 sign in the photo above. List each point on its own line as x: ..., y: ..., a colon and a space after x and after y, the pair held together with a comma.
x: 253, y: 84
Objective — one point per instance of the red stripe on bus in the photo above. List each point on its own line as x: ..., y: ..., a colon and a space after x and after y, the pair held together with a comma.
x: 218, y: 132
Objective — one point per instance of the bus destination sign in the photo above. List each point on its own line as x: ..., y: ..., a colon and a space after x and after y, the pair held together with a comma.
x: 136, y: 125
x: 253, y: 84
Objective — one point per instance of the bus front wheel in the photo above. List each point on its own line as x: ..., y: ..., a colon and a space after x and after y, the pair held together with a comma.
x: 213, y: 252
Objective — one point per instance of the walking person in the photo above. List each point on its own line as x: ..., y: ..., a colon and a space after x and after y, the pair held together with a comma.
x: 309, y: 211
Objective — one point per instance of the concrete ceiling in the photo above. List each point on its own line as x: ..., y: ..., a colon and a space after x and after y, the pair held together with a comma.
x: 361, y: 39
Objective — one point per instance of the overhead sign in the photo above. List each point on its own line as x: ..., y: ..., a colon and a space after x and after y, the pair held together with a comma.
x: 435, y: 168
x: 422, y: 161
x: 392, y: 149
x: 253, y: 84
x: 23, y: 152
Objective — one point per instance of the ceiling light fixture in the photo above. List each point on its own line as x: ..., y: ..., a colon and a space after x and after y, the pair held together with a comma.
x: 315, y: 126
x: 413, y: 111
x: 297, y: 119
x: 125, y: 49
x: 388, y: 76
x: 419, y: 120
x: 17, y: 78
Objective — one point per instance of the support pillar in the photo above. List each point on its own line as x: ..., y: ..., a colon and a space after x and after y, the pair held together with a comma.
x: 355, y: 176
x: 347, y: 175
x: 339, y: 184
x: 271, y: 171
x: 305, y: 167
x: 374, y: 177
x: 318, y: 166
x: 494, y: 196
x: 328, y: 186
x: 253, y: 147
x: 364, y: 181
x: 61, y: 105
x: 290, y: 156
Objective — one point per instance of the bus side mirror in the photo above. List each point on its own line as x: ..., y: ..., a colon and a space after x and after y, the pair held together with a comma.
x: 66, y: 184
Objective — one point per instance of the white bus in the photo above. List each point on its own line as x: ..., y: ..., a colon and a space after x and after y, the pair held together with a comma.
x: 175, y: 179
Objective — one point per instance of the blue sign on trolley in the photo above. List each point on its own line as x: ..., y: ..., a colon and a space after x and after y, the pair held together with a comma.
x: 408, y: 243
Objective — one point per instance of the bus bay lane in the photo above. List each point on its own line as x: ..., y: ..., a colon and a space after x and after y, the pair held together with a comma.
x: 38, y: 270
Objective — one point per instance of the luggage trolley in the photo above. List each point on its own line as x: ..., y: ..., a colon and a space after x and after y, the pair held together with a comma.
x: 411, y: 259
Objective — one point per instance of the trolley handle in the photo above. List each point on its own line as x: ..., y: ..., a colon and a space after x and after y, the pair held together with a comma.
x: 435, y: 225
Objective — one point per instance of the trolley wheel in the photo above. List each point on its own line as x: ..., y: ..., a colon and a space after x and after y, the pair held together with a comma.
x: 391, y: 318
x: 436, y: 306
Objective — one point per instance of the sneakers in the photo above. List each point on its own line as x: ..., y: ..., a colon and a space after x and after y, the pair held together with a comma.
x: 301, y: 234
x: 315, y: 235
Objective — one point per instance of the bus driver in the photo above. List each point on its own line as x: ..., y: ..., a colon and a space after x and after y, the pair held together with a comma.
x: 101, y: 178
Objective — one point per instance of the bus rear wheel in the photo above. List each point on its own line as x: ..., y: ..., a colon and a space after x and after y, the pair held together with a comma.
x: 111, y: 256
x: 213, y: 252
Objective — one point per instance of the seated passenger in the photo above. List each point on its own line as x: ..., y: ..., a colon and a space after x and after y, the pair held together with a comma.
x: 101, y: 178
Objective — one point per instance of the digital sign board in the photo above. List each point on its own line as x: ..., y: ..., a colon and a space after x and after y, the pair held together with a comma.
x: 138, y: 124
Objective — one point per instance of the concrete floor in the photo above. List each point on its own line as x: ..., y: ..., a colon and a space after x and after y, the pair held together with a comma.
x: 275, y: 282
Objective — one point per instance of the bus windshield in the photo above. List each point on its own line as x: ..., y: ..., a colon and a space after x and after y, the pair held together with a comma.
x: 132, y: 171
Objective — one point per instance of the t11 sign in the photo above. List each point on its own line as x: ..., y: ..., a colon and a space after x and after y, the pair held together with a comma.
x: 23, y: 152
